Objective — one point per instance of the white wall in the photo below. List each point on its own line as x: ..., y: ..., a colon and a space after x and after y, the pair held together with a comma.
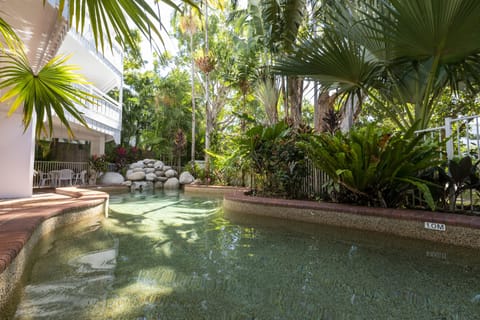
x: 97, y: 146
x: 17, y: 150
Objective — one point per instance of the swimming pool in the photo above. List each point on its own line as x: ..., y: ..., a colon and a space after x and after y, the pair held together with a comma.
x: 177, y: 257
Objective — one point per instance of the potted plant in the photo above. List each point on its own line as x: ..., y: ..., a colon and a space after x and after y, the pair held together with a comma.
x: 96, y: 165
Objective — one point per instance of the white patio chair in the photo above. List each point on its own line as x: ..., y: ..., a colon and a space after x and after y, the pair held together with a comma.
x: 80, y: 177
x: 43, y: 178
x: 65, y: 175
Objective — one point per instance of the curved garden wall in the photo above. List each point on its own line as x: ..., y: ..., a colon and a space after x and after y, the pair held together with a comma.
x: 446, y: 228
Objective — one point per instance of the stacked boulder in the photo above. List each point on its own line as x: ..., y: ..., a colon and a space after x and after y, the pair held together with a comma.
x: 151, y: 173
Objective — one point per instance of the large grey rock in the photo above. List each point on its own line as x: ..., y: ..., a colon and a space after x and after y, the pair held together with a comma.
x: 111, y: 178
x: 158, y: 165
x: 170, y: 173
x: 139, y: 164
x: 171, y: 184
x: 160, y: 173
x: 149, y: 170
x: 148, y: 161
x: 151, y: 177
x: 165, y: 168
x: 127, y: 183
x: 158, y: 185
x: 186, y: 178
x: 162, y: 179
x: 136, y: 176
x: 141, y: 185
x: 138, y: 170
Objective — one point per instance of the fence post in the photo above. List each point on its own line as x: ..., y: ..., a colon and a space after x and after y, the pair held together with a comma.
x: 448, y: 135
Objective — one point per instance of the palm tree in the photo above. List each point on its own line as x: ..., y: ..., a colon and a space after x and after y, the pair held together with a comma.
x: 188, y: 24
x: 402, y: 54
x: 51, y: 89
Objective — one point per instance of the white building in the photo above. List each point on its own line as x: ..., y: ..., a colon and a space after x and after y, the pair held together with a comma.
x: 46, y: 35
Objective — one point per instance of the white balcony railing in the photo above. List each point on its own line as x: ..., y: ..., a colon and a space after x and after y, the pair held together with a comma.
x: 102, y: 113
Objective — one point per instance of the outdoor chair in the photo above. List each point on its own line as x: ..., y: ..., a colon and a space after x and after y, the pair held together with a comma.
x: 65, y: 175
x: 80, y: 177
x: 43, y: 178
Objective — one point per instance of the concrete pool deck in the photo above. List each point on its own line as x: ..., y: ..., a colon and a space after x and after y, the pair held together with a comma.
x: 23, y: 222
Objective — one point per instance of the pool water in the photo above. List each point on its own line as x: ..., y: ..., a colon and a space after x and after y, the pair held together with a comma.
x: 175, y: 257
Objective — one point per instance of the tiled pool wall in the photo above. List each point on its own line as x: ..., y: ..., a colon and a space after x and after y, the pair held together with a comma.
x: 455, y: 229
x: 206, y: 190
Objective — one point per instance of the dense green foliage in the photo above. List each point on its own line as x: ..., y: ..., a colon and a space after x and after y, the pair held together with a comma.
x: 273, y: 155
x: 372, y: 166
x: 365, y: 55
x: 456, y: 177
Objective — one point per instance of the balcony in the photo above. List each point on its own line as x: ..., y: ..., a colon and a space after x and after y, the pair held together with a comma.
x: 112, y: 57
x: 102, y: 114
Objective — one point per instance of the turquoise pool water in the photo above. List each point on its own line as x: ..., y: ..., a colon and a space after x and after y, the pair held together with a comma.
x: 173, y: 257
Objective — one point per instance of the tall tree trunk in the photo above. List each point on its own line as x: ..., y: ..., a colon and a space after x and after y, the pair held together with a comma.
x: 350, y: 111
x: 193, y: 99
x: 285, y: 98
x: 295, y: 97
x: 208, y: 129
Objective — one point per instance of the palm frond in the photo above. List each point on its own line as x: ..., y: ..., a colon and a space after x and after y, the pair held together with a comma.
x: 111, y: 20
x: 333, y: 61
x: 8, y: 38
x: 49, y: 92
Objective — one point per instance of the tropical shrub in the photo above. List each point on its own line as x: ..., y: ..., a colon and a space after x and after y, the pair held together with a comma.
x: 374, y: 167
x: 272, y: 154
x: 98, y: 163
x: 228, y: 170
x: 452, y: 179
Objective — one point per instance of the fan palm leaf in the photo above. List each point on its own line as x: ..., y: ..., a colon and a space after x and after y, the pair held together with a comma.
x: 336, y: 62
x: 409, y: 51
x: 49, y: 92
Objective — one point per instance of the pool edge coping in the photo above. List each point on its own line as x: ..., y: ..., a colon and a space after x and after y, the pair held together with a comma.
x: 27, y: 225
x: 460, y: 230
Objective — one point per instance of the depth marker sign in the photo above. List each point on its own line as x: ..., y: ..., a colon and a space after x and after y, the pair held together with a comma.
x: 435, y: 226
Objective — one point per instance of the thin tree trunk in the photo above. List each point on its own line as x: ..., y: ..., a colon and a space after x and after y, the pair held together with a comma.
x: 193, y: 99
x: 207, y: 100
